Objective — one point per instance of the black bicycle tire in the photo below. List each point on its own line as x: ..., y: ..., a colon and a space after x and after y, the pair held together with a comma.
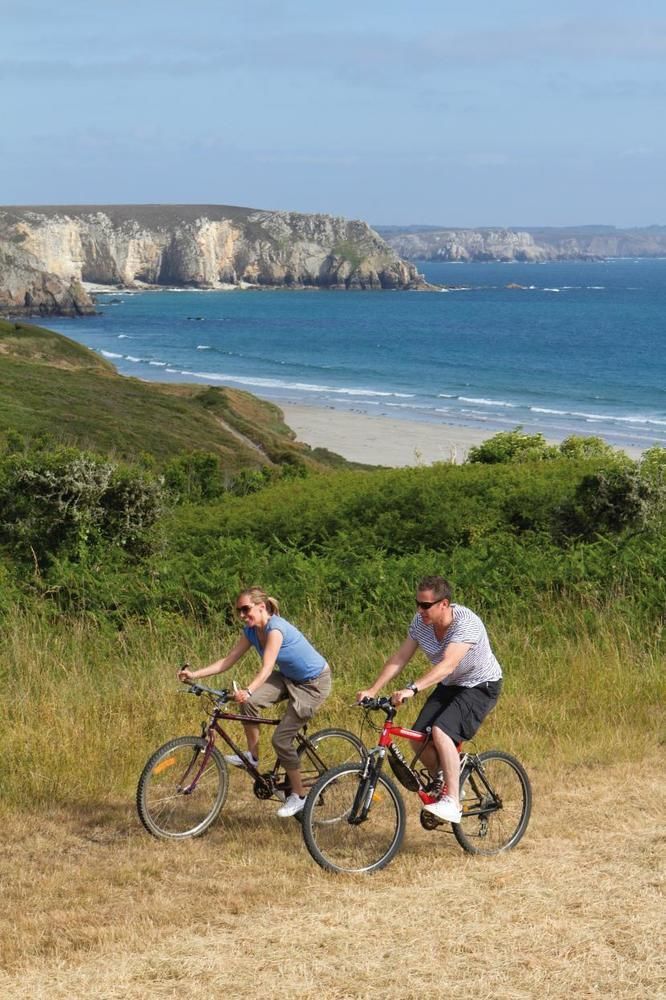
x: 148, y: 815
x: 310, y: 774
x: 322, y: 735
x: 474, y: 846
x: 309, y: 823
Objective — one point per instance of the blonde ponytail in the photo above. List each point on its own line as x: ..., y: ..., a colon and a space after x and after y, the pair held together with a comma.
x: 259, y: 596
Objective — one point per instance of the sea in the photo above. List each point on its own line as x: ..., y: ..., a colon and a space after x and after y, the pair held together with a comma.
x: 557, y: 348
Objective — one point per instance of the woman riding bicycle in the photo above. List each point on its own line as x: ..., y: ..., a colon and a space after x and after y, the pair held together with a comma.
x: 302, y: 677
x: 468, y: 679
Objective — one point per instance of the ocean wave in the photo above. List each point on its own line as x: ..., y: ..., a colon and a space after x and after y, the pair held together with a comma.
x: 599, y: 417
x: 274, y: 383
x: 158, y: 364
x: 110, y: 354
x: 410, y: 406
x: 485, y: 402
x: 204, y: 347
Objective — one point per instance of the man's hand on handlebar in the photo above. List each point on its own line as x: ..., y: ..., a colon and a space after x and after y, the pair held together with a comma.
x: 397, y: 697
x: 185, y: 674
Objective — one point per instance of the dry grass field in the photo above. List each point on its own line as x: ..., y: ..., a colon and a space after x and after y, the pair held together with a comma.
x: 94, y: 907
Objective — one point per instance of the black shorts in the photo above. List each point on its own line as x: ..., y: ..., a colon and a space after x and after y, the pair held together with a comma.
x: 458, y: 711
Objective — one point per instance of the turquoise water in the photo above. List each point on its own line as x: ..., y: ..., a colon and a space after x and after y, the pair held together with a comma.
x: 579, y: 348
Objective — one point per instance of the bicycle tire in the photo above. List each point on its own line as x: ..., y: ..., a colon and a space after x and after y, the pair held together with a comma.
x: 339, y: 846
x: 165, y: 808
x: 493, y: 821
x: 332, y: 747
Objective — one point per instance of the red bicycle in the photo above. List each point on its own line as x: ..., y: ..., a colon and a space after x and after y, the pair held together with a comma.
x: 354, y: 816
x: 184, y: 783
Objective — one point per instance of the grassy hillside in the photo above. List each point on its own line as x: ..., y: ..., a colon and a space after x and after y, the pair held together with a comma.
x: 562, y: 556
x: 51, y: 385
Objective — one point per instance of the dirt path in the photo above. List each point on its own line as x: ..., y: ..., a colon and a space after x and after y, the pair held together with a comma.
x: 248, y: 442
x: 93, y: 907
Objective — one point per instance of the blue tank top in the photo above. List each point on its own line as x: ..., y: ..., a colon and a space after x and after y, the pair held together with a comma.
x: 297, y: 659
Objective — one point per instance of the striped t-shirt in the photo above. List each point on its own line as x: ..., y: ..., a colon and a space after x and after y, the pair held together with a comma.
x: 477, y: 665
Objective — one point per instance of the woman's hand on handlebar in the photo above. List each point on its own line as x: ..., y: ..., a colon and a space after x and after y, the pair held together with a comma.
x: 185, y: 674
x: 362, y: 695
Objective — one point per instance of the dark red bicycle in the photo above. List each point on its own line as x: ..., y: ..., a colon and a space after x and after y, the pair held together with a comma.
x: 354, y: 816
x: 184, y: 784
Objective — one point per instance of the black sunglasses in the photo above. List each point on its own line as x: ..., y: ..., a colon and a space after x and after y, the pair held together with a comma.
x: 245, y: 609
x: 424, y: 605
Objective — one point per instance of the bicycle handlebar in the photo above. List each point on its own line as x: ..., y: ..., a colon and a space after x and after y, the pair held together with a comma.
x: 378, y: 705
x: 198, y: 689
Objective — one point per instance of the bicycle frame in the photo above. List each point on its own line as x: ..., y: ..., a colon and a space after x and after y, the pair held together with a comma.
x: 212, y: 727
x: 377, y: 756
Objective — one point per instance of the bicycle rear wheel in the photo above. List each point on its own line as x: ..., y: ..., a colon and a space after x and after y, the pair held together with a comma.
x: 496, y: 799
x: 340, y: 846
x: 175, y: 797
x: 327, y: 749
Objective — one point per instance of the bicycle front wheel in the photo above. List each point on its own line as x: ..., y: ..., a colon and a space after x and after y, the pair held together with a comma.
x: 327, y: 749
x: 496, y: 799
x: 340, y: 846
x: 180, y: 792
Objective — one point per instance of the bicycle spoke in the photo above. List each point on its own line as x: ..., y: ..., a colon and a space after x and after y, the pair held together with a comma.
x: 168, y: 805
x: 339, y: 845
x: 496, y: 805
x: 327, y: 749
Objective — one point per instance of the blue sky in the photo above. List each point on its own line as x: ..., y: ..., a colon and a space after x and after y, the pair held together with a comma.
x: 513, y: 113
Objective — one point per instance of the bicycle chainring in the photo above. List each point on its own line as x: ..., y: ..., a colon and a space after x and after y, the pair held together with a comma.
x: 264, y: 786
x: 430, y: 822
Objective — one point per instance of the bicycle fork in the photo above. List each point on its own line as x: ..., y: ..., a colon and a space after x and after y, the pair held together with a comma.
x: 205, y: 757
x: 366, y: 786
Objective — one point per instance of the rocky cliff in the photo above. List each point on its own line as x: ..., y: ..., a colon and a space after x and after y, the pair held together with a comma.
x: 26, y: 288
x: 198, y: 246
x: 575, y: 243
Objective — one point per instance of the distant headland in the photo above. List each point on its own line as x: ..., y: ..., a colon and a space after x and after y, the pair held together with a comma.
x: 529, y: 244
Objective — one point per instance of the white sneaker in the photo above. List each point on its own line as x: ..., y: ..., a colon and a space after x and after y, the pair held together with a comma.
x: 293, y: 805
x: 235, y: 760
x: 446, y: 809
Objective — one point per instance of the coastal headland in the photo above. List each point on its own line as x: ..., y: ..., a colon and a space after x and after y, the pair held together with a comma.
x: 48, y: 253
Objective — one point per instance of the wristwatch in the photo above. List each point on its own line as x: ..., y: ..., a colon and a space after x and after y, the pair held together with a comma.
x: 412, y: 687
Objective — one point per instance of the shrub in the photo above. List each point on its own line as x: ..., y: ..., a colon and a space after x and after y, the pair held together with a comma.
x: 66, y: 501
x: 512, y: 446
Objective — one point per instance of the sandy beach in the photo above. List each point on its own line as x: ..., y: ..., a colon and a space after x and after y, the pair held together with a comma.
x: 375, y: 440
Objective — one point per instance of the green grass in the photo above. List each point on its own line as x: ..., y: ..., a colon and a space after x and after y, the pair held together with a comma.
x: 51, y: 385
x: 84, y: 704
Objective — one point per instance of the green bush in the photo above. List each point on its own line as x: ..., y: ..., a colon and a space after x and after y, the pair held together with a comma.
x: 516, y: 446
x: 66, y: 501
x: 512, y: 446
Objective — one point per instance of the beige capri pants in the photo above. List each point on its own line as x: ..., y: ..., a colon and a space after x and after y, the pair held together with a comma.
x: 304, y: 698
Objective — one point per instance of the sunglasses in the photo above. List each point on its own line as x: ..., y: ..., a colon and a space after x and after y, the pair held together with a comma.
x: 424, y: 605
x: 245, y: 609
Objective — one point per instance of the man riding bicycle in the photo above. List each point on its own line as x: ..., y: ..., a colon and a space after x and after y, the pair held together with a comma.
x: 467, y: 680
